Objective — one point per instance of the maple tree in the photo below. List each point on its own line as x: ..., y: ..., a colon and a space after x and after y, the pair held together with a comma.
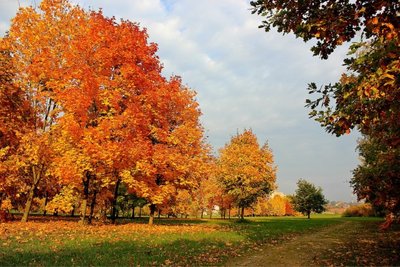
x: 142, y: 122
x: 205, y: 185
x: 41, y: 44
x: 180, y: 203
x: 201, y: 195
x: 308, y: 198
x: 175, y: 142
x: 103, y: 115
x: 246, y: 170
x: 65, y: 201
x: 367, y: 96
x: 209, y: 192
x: 224, y: 201
x: 16, y: 119
x: 33, y: 75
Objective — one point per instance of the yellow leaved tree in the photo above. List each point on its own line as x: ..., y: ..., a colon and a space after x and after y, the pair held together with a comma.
x: 246, y: 169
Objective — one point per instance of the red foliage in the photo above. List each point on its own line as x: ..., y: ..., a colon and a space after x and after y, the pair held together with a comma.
x: 289, y: 209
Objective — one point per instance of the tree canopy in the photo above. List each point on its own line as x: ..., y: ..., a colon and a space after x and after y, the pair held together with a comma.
x: 376, y: 179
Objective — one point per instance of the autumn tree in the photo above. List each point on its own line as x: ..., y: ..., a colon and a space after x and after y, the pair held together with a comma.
x: 181, y: 203
x: 246, y: 170
x: 376, y: 179
x: 206, y: 185
x: 47, y: 70
x: 117, y: 91
x: 209, y: 192
x: 104, y: 114
x: 289, y: 211
x: 367, y: 96
x: 331, y: 23
x: 201, y: 195
x: 276, y: 205
x: 39, y: 68
x: 308, y: 198
x: 175, y: 143
x: 143, y: 129
x: 261, y: 206
x: 65, y: 201
x: 16, y: 117
x: 121, y: 68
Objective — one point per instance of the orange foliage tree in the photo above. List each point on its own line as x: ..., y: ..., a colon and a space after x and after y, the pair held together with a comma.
x: 175, y: 145
x: 16, y: 120
x: 246, y: 170
x: 209, y: 193
x: 105, y: 120
x: 289, y: 211
x: 37, y: 42
x: 102, y: 112
x: 275, y: 205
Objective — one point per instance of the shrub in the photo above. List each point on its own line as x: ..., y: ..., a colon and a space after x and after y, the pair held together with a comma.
x: 362, y: 210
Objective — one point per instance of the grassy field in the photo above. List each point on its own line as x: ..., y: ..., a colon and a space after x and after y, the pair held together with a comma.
x: 169, y: 242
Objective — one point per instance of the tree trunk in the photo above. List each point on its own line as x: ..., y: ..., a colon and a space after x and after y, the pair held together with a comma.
x: 92, y: 205
x: 308, y: 214
x: 140, y: 212
x: 242, y: 213
x: 133, y: 212
x: 229, y: 213
x: 222, y: 210
x: 37, y: 175
x: 46, y: 199
x: 73, y: 211
x: 114, y: 202
x: 103, y: 212
x: 159, y: 213
x: 152, y: 211
x: 202, y: 213
x: 210, y: 213
x: 85, y: 197
x: 28, y: 204
x: 83, y: 211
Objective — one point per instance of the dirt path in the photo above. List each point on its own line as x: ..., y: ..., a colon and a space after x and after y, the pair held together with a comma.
x: 300, y: 251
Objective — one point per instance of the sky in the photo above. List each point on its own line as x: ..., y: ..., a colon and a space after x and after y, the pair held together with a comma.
x: 244, y: 79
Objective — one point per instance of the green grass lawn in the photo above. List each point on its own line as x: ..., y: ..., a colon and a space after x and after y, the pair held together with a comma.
x: 170, y: 241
